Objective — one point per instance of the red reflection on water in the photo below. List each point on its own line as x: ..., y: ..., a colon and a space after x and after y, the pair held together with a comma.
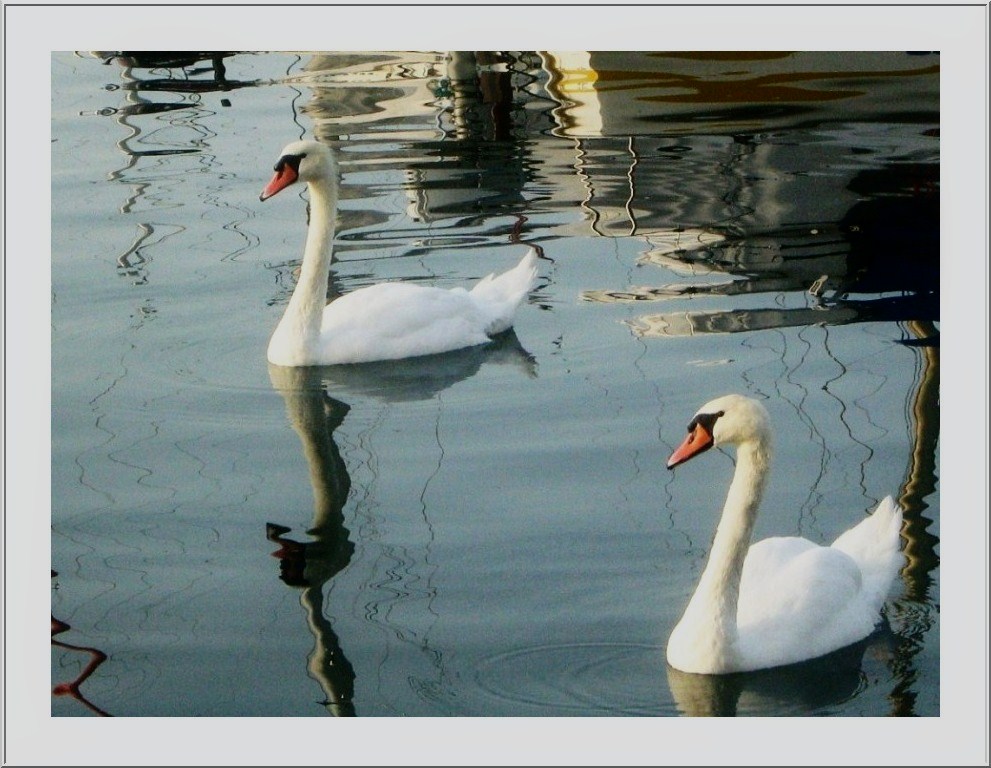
x: 72, y: 688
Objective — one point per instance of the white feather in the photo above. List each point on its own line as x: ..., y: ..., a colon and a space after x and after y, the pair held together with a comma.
x: 387, y: 321
x: 783, y: 599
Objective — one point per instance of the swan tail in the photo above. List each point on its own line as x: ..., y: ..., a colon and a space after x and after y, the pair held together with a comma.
x: 500, y: 295
x: 875, y: 545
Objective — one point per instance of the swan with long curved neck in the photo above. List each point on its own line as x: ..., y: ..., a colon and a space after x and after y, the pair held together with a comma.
x: 784, y: 599
x: 386, y: 321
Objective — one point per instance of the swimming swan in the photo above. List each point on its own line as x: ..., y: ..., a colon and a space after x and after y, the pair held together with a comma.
x: 387, y: 321
x: 784, y: 599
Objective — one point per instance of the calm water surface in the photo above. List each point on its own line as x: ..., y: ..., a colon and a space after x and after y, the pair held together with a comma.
x: 493, y: 531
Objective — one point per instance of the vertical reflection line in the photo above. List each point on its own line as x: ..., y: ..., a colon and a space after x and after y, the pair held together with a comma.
x: 731, y: 170
x: 657, y: 405
x: 429, y: 567
x: 915, y: 609
x: 296, y: 98
x: 813, y: 498
x: 920, y: 477
x: 585, y: 179
x: 367, y: 604
x: 844, y: 415
x: 631, y: 169
x: 432, y: 568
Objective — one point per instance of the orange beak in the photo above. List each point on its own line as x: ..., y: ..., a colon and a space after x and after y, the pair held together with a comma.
x: 285, y: 175
x: 699, y: 439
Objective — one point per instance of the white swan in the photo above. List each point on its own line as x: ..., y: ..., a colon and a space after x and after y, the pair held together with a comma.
x: 784, y: 599
x: 387, y: 321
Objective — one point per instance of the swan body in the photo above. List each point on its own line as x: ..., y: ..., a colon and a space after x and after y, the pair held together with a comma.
x: 387, y: 321
x: 784, y: 599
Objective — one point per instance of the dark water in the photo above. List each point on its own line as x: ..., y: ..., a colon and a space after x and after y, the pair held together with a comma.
x: 490, y: 532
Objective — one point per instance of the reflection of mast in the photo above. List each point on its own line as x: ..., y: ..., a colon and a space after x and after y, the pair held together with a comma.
x: 309, y: 565
x: 920, y: 479
x: 132, y: 263
x: 920, y: 545
x: 483, y: 95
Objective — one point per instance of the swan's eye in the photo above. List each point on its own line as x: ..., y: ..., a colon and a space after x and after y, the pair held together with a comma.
x: 291, y: 160
x: 706, y: 420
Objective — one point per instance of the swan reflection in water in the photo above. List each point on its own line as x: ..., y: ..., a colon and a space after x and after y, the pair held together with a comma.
x: 422, y: 378
x: 311, y: 564
x: 314, y: 415
x: 807, y: 688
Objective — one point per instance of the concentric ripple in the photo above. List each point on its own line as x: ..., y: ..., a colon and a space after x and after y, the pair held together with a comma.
x: 606, y: 679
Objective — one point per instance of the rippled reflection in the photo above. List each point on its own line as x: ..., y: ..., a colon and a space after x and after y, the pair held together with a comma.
x: 878, y: 262
x: 796, y: 690
x: 813, y: 208
x: 733, y: 92
x: 422, y: 378
x: 309, y: 565
x: 315, y: 415
x: 72, y: 688
x: 789, y: 199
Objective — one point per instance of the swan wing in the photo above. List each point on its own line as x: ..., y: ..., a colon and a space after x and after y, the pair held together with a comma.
x: 875, y: 545
x: 389, y: 321
x: 499, y: 295
x: 784, y: 577
x: 799, y: 600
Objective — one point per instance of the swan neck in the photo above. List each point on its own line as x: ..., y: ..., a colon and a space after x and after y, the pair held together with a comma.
x: 323, y: 211
x: 718, y: 590
x: 305, y: 310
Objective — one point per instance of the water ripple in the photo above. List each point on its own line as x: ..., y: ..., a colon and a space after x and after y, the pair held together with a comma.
x: 578, y: 679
